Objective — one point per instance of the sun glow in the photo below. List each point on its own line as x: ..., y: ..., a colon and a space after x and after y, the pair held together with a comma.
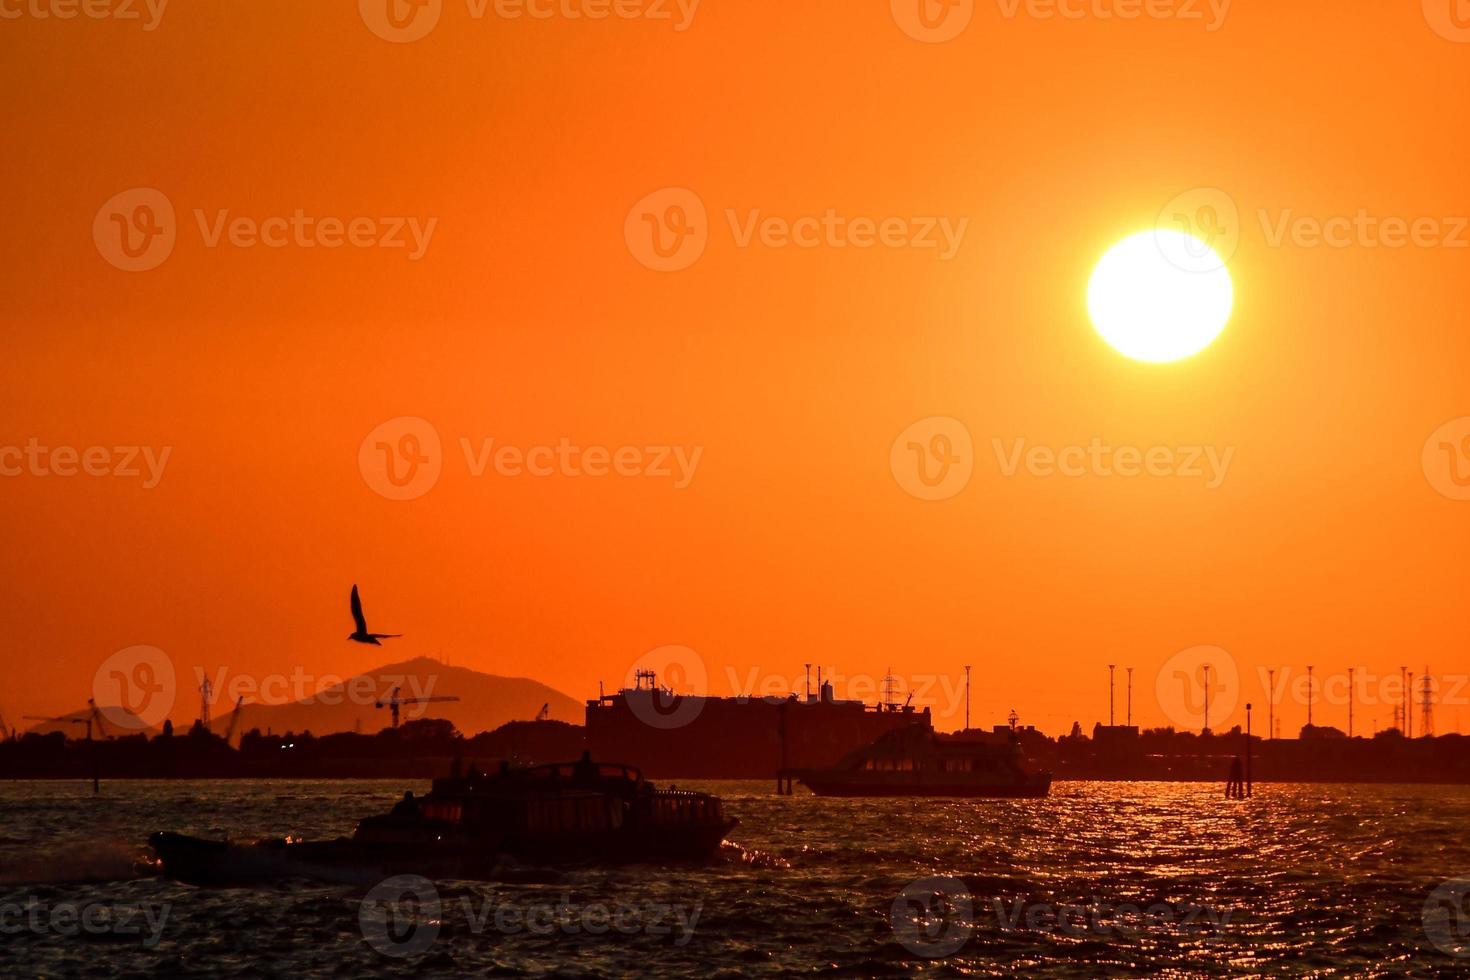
x: 1160, y: 296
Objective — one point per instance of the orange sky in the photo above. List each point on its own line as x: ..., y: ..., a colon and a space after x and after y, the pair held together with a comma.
x: 528, y: 320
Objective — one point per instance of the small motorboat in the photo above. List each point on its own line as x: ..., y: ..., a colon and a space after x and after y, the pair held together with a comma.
x: 468, y: 825
x: 916, y: 761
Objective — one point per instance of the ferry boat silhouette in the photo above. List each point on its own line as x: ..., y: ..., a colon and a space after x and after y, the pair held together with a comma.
x: 916, y: 761
x: 564, y: 812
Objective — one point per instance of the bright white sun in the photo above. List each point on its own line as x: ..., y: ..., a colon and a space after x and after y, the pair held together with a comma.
x: 1160, y: 295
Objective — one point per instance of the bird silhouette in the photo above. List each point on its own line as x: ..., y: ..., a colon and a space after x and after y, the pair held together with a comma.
x: 362, y: 635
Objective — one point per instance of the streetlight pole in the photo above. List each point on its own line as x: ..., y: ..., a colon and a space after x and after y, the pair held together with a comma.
x: 1351, y: 688
x: 1271, y: 705
x: 1309, y: 695
x: 1206, y: 729
x: 1111, y: 668
x: 967, y: 697
x: 1130, y: 697
x: 1404, y: 708
x: 1409, y: 707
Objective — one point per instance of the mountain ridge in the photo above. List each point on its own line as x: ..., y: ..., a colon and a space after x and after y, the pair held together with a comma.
x: 487, y: 701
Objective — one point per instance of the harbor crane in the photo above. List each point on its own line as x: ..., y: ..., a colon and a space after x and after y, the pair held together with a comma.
x: 234, y: 719
x: 393, y: 702
x: 206, y: 696
x: 94, y: 715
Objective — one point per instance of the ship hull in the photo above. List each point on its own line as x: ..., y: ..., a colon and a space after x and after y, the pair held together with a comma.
x: 199, y: 861
x: 843, y: 787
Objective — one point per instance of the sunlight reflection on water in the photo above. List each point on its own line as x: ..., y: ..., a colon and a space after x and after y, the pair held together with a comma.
x: 1313, y: 877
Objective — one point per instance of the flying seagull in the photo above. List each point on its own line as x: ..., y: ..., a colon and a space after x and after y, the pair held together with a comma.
x: 362, y: 635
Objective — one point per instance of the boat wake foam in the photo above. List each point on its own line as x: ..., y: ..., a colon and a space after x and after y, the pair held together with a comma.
x: 99, y: 861
x: 735, y: 854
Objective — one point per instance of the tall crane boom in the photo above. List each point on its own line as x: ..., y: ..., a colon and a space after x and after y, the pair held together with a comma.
x: 93, y: 717
x: 393, y: 701
x: 234, y: 719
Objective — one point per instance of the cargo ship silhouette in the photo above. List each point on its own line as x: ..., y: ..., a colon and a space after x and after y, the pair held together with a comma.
x: 698, y: 737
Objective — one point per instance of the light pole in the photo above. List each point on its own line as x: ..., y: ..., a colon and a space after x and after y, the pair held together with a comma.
x: 967, y: 697
x: 1351, y: 673
x: 1309, y: 695
x: 1271, y: 705
x: 1111, y: 668
x: 1409, y: 707
x: 1206, y: 729
x: 1130, y: 697
x: 1404, y: 708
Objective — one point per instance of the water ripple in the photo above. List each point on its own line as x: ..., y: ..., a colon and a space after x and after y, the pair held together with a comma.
x: 1311, y: 880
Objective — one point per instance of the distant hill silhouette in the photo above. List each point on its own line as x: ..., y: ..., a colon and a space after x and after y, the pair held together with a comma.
x: 487, y: 701
x: 115, y: 721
